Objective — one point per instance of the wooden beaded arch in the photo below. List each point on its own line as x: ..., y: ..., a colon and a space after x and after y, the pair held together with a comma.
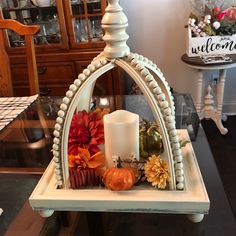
x: 144, y: 73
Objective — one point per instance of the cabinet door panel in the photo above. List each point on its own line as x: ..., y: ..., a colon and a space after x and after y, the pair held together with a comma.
x: 83, y: 19
x: 54, y: 79
x: 49, y: 17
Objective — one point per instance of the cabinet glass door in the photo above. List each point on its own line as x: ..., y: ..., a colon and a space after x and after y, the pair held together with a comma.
x: 85, y: 22
x: 48, y: 14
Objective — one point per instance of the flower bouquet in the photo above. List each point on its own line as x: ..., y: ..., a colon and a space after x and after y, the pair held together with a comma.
x: 212, y: 30
x: 86, y: 160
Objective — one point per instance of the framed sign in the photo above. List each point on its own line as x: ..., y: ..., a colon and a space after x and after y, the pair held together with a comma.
x: 210, y: 45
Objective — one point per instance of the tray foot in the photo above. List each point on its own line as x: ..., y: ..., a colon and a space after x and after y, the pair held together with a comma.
x: 46, y: 213
x: 195, y: 218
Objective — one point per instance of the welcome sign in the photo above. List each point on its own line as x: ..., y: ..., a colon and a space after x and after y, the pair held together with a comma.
x: 211, y: 45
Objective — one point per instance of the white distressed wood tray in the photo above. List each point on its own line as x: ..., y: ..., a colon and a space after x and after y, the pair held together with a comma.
x: 193, y: 200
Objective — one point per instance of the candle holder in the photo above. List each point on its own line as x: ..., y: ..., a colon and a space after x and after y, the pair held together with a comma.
x: 186, y: 192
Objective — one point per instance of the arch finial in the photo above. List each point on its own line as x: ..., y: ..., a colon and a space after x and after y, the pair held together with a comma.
x: 114, y: 23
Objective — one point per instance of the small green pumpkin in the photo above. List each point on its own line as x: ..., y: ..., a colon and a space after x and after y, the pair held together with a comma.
x: 150, y: 140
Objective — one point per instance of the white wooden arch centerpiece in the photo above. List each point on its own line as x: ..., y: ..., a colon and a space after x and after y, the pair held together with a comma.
x: 157, y: 92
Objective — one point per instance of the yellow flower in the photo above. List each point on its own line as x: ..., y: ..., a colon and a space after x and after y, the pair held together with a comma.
x: 156, y: 172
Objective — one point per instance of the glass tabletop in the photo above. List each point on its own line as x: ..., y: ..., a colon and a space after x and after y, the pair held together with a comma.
x: 31, y: 130
x: 26, y: 142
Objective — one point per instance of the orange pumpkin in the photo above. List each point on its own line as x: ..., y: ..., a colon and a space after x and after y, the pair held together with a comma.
x: 118, y: 179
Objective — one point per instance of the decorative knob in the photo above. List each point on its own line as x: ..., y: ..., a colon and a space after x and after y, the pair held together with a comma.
x: 114, y: 23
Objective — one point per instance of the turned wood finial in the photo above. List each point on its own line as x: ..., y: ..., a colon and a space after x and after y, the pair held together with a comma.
x: 114, y: 23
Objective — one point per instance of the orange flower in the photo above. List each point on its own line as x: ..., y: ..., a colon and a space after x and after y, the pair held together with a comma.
x: 83, y: 159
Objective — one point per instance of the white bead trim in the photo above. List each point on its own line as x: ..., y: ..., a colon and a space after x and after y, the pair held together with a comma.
x: 96, y: 64
x: 136, y: 62
x: 163, y: 103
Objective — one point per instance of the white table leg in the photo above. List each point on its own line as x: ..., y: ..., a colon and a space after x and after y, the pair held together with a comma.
x: 209, y: 104
x: 220, y: 91
x: 217, y: 119
x: 220, y: 97
x: 199, y: 92
x: 209, y: 111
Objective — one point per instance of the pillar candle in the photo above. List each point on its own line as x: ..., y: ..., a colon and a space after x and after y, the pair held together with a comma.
x: 121, y: 132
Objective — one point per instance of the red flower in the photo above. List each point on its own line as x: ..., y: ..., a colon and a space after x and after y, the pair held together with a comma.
x: 221, y: 15
x: 216, y: 9
x: 86, y: 131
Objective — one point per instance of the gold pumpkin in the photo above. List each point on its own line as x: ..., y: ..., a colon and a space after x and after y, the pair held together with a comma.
x: 118, y: 179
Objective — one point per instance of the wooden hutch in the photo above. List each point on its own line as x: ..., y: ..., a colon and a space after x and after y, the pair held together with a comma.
x: 70, y: 37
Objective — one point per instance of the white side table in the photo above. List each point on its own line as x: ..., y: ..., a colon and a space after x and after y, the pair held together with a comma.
x: 211, y: 109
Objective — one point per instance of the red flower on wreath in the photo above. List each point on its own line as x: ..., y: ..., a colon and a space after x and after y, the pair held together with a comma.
x: 86, y: 131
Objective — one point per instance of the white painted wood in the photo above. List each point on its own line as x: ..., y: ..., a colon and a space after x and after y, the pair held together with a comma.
x: 209, y: 104
x: 196, y: 218
x: 210, y: 111
x: 210, y: 45
x: 79, y: 94
x: 114, y: 23
x: 158, y: 104
x: 80, y: 100
x: 46, y: 213
x: 55, y: 193
x: 199, y: 92
x: 158, y: 75
x: 151, y: 99
x: 220, y: 90
x: 192, y: 200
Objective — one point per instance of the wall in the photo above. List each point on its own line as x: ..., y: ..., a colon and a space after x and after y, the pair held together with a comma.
x: 156, y: 30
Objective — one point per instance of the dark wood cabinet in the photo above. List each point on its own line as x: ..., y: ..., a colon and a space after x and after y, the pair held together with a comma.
x: 70, y: 37
x: 54, y: 78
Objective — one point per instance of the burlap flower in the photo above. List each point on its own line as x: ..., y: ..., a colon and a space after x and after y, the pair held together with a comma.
x: 156, y: 172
